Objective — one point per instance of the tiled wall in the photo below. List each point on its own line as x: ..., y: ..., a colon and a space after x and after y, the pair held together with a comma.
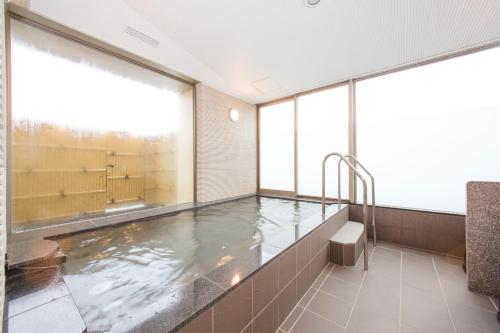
x: 262, y: 302
x: 3, y: 241
x: 226, y: 151
x: 483, y: 237
x: 430, y: 231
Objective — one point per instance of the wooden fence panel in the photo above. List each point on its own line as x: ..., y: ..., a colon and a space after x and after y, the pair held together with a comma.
x: 60, y: 173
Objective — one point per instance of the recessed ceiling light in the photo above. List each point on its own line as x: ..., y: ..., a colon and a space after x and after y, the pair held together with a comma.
x: 311, y: 3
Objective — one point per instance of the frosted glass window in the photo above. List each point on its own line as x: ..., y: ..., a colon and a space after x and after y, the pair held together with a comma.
x: 427, y: 131
x: 277, y: 146
x: 322, y: 128
x: 93, y: 134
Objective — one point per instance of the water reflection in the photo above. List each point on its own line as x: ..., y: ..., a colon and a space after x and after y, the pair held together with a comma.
x: 115, y: 271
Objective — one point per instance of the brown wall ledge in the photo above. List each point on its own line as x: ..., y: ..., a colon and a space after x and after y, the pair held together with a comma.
x: 437, y: 232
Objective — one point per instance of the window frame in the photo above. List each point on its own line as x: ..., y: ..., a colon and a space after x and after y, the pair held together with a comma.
x: 353, y: 193
x: 15, y: 12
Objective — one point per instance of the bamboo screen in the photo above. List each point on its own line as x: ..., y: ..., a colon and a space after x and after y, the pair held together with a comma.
x: 59, y: 173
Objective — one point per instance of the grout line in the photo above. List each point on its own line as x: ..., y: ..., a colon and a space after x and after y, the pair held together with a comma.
x: 357, y: 295
x: 325, y: 318
x: 334, y: 276
x: 294, y: 308
x: 273, y: 299
x: 400, y: 292
x: 332, y: 295
x: 444, y: 297
x: 269, y: 303
x: 213, y: 325
x: 493, y: 302
x: 253, y: 280
x: 298, y: 302
x: 305, y: 307
x: 337, y: 278
x: 246, y: 326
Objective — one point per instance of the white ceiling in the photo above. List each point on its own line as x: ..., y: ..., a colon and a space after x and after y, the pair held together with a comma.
x: 300, y: 48
x: 260, y: 50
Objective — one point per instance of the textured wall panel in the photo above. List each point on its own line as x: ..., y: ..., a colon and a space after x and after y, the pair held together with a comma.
x: 483, y: 237
x: 226, y: 151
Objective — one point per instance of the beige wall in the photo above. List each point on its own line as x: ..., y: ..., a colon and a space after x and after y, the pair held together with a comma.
x: 226, y: 151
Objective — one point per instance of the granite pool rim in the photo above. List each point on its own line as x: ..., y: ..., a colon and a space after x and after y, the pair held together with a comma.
x: 312, y: 223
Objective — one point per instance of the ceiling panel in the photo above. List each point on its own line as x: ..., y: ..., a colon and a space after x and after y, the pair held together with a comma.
x: 299, y: 48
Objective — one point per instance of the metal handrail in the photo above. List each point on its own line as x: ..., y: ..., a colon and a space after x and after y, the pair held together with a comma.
x: 365, y: 198
x: 373, y: 195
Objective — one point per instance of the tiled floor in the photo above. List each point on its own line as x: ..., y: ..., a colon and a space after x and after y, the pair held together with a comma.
x: 403, y: 291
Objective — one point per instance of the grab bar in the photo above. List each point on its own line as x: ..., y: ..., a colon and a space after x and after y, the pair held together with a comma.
x: 365, y: 204
x: 373, y: 195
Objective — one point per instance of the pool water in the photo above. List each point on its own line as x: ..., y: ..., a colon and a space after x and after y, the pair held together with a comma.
x: 114, y: 271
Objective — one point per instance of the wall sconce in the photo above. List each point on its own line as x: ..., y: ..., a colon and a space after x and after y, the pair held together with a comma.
x: 234, y: 115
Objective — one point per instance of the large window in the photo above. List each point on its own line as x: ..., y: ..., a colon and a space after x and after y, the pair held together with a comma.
x: 322, y: 128
x: 276, y: 134
x: 91, y: 133
x: 426, y: 131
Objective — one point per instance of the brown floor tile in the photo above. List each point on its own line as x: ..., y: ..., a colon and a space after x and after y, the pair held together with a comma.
x: 455, y: 289
x: 387, y: 283
x: 388, y: 252
x: 405, y: 328
x: 385, y: 265
x: 352, y: 275
x: 371, y: 320
x: 312, y: 323
x: 379, y: 299
x: 424, y: 310
x: 343, y: 290
x: 469, y: 318
x: 419, y: 272
x: 333, y: 308
x: 448, y: 264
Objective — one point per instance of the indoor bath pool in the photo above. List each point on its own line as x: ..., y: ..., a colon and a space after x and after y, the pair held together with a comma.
x: 121, y: 277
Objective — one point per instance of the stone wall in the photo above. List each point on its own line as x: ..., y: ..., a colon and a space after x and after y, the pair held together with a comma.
x: 483, y: 237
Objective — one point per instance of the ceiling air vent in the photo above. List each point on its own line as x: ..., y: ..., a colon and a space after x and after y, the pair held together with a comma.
x: 141, y: 36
